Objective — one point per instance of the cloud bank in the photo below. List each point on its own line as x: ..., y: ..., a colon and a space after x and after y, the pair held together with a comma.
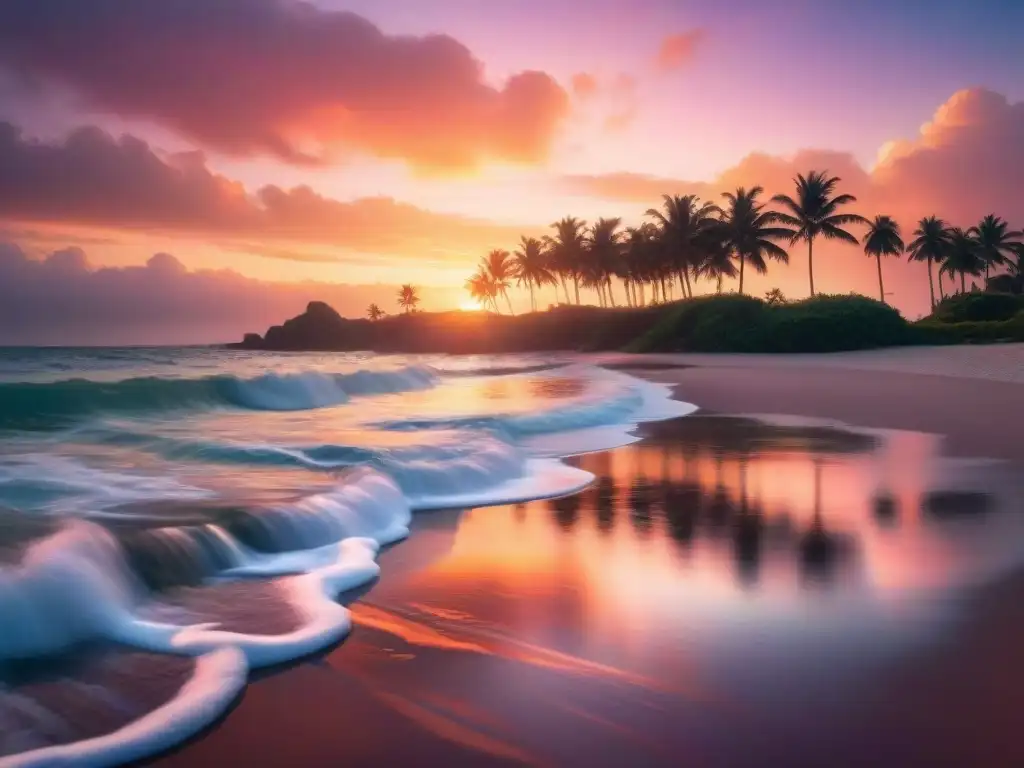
x: 63, y: 300
x: 966, y: 162
x: 94, y: 179
x: 282, y: 78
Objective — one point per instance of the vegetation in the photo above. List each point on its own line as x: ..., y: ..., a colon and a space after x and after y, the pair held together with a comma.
x: 815, y: 212
x: 686, y: 241
x: 408, y: 298
x: 883, y: 239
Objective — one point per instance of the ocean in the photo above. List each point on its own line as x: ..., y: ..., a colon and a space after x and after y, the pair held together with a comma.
x: 543, y: 557
x: 152, y: 498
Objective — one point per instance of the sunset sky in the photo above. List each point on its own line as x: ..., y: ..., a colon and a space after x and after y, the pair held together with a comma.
x: 180, y: 171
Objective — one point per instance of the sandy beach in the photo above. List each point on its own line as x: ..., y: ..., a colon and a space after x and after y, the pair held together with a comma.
x: 492, y: 638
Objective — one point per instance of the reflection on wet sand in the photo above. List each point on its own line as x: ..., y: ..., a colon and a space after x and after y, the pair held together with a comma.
x: 706, y: 566
x: 722, y: 578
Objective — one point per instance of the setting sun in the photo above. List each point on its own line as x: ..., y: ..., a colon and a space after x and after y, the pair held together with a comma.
x: 469, y: 305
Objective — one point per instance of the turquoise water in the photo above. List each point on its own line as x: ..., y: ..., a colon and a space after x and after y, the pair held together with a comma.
x: 141, y: 489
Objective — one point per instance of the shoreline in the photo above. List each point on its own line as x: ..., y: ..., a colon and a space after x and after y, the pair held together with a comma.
x: 962, y: 684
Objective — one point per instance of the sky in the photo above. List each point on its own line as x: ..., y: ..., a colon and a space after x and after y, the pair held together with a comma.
x: 182, y: 171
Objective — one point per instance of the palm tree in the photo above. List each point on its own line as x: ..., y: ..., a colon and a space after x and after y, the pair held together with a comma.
x: 883, y: 239
x: 604, y: 256
x: 748, y: 231
x: 531, y: 267
x: 1012, y: 281
x: 814, y: 213
x: 930, y: 244
x: 717, y: 264
x: 567, y: 249
x: 963, y: 257
x: 641, y: 257
x: 408, y: 298
x: 482, y: 288
x: 498, y: 265
x: 374, y: 312
x: 685, y: 230
x: 995, y: 243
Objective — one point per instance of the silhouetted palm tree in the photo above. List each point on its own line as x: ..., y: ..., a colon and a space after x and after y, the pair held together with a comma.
x: 641, y: 256
x: 996, y: 244
x: 883, y: 239
x: 408, y: 298
x: 814, y: 212
x: 685, y: 227
x: 567, y: 250
x: 530, y: 264
x: 1012, y: 281
x: 963, y: 257
x: 482, y: 288
x: 930, y: 244
x: 604, y: 257
x: 717, y: 264
x: 374, y: 312
x: 498, y: 265
x: 749, y: 231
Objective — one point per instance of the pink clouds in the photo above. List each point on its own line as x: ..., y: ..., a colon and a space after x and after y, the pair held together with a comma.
x: 94, y: 179
x: 63, y: 300
x: 282, y: 78
x: 966, y: 162
x: 678, y: 50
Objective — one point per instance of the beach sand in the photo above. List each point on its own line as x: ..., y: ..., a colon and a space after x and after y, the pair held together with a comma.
x: 475, y: 649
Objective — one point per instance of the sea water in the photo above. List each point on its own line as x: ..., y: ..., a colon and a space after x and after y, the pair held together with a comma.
x: 147, y: 494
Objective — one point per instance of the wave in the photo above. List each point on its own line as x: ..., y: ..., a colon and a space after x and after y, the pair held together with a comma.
x: 54, y: 405
x: 119, y: 578
x: 618, y: 400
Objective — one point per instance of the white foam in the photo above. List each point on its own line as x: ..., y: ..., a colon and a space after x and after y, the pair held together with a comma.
x: 76, y: 585
x: 218, y: 678
x: 543, y: 479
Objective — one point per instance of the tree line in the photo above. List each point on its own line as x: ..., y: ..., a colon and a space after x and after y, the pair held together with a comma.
x: 688, y: 240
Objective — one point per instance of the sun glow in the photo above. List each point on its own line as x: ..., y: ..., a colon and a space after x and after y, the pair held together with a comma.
x: 470, y: 305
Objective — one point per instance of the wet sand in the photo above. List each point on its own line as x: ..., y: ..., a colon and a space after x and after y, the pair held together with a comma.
x: 492, y: 640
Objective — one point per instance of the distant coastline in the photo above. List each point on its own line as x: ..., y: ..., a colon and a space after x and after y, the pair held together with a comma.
x: 720, y: 323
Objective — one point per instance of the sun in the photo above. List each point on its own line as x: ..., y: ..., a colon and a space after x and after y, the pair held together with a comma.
x: 470, y: 306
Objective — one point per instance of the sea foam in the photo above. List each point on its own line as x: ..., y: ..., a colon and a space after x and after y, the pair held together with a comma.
x: 79, y: 584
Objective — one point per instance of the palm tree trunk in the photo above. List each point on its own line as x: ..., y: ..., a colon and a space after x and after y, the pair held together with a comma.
x: 810, y: 263
x: 931, y: 285
x: 689, y: 287
x: 533, y: 299
x: 611, y: 293
x: 942, y: 293
x: 963, y: 282
x: 742, y: 261
x: 576, y: 288
x: 718, y: 286
x: 643, y: 298
x: 881, y: 288
x: 565, y: 288
x: 664, y: 293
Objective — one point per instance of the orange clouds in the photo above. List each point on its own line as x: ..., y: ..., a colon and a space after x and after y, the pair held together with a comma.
x: 285, y: 79
x: 678, y: 50
x: 966, y: 162
x: 62, y: 299
x: 92, y: 178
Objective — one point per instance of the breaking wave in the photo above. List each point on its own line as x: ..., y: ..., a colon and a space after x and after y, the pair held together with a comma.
x: 54, y: 405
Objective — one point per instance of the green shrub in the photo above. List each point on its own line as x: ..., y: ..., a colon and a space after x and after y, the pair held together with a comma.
x: 729, y: 323
x: 835, y: 324
x: 929, y: 331
x: 977, y: 307
x: 746, y: 324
